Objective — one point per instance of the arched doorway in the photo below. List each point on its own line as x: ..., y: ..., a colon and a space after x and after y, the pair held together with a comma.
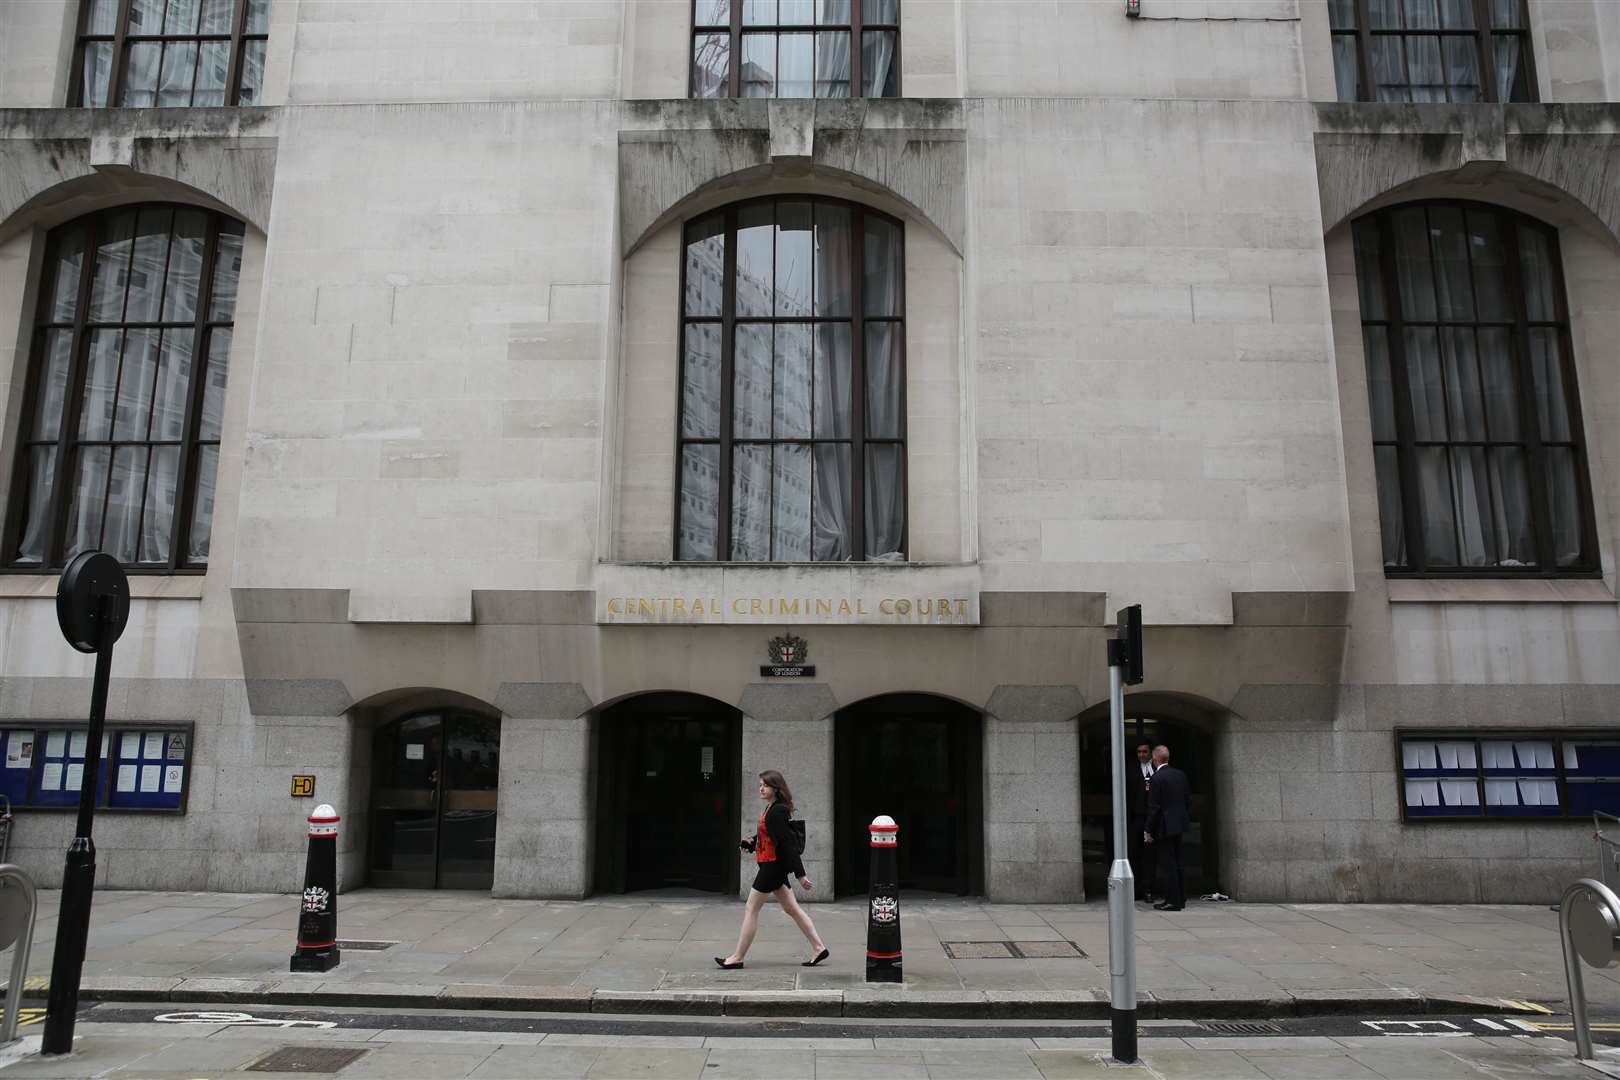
x: 919, y: 759
x: 667, y: 786
x: 434, y: 783
x: 1187, y: 729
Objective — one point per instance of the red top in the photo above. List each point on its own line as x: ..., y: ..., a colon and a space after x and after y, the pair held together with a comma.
x: 764, y: 846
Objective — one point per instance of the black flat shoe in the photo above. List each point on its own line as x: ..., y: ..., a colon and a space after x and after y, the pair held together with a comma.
x: 1161, y: 906
x: 819, y: 958
x: 729, y: 967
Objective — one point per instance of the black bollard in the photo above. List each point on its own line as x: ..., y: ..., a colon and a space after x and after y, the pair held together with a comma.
x: 883, y: 903
x: 317, y: 911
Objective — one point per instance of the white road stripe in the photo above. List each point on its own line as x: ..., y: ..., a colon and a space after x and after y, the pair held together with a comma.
x: 1492, y: 1024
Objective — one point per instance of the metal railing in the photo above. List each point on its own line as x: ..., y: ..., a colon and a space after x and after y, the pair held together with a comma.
x: 1589, y: 927
x: 1608, y: 843
x: 19, y: 904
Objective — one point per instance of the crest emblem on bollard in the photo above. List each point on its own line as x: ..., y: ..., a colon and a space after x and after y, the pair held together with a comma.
x: 885, y: 909
x: 315, y: 899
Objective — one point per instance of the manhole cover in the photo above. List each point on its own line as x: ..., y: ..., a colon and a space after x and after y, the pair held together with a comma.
x: 306, y: 1059
x: 977, y: 950
x: 1045, y: 950
x: 367, y: 946
x: 1240, y: 1027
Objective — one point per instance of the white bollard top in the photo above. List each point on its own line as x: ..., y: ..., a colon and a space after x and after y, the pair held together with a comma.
x: 883, y: 821
x: 325, y: 810
x: 883, y: 831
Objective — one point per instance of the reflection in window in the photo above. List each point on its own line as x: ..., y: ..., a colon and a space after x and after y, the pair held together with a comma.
x: 1475, y: 419
x: 170, y: 53
x: 1431, y: 50
x: 795, y: 48
x: 792, y: 383
x: 123, y: 413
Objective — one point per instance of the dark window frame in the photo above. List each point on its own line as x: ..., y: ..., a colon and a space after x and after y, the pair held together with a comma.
x: 121, y: 39
x: 736, y: 31
x: 67, y: 442
x: 1557, y: 736
x: 1530, y: 439
x: 728, y: 320
x: 1483, y: 33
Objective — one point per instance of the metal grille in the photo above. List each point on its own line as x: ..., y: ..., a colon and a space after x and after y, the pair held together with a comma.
x: 367, y: 946
x: 307, y: 1059
x: 1240, y: 1027
x: 978, y: 950
x: 1046, y: 950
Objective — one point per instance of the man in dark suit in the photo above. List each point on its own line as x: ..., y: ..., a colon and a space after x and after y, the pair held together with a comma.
x: 1167, y: 822
x: 1137, y: 775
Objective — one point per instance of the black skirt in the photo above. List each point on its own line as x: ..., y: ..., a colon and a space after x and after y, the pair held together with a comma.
x: 771, y: 876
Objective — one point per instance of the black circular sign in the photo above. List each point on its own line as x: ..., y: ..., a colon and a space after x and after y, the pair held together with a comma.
x: 90, y: 577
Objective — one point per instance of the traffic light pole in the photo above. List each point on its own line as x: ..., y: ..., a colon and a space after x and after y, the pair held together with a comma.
x: 1121, y: 882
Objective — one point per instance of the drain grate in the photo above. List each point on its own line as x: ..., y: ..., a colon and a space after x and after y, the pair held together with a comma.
x: 367, y: 946
x: 978, y: 950
x: 1046, y: 950
x: 307, y: 1059
x: 1240, y: 1027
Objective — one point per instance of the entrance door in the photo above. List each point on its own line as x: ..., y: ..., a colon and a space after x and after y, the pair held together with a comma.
x: 917, y: 759
x: 667, y: 801
x: 434, y: 781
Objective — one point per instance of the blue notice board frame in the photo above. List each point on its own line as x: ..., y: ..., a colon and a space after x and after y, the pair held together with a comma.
x: 145, y: 766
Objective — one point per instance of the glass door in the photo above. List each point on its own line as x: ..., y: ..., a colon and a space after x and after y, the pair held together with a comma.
x: 434, y: 786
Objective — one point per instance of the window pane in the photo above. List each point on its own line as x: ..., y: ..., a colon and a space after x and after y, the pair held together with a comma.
x: 791, y: 411
x: 146, y: 16
x: 836, y: 12
x: 100, y: 384
x: 832, y: 381
x: 1462, y: 68
x: 1391, y: 518
x: 1346, y: 77
x: 879, y: 75
x: 151, y: 252
x: 112, y: 268
x: 135, y: 385
x: 793, y: 258
x: 833, y: 260
x: 1512, y: 80
x: 227, y: 272
x: 216, y: 16
x: 1510, y: 483
x: 795, y: 66
x: 886, y: 12
x: 185, y: 266
x: 1536, y: 266
x: 213, y: 68
x: 52, y: 387
x: 1425, y: 71
x: 1454, y: 291
x: 1369, y: 267
x: 120, y: 535
x: 1389, y: 69
x: 751, y: 389
x: 700, y: 382
x: 790, y: 523
x: 1490, y: 267
x: 178, y: 73
x: 1425, y: 384
x: 173, y: 385
x: 202, y: 505
x: 885, y: 502
x: 758, y: 65
x: 751, y: 504
x: 86, y: 501
x: 834, y: 488
x: 1563, y: 497
x: 1342, y: 14
x: 1464, y: 402
x: 258, y: 16
x: 711, y: 13
x: 882, y: 264
x: 181, y: 17
x: 96, y: 80
x: 1380, y: 390
x: 102, y: 18
x: 883, y: 377
x: 1384, y: 14
x: 1421, y: 14
x: 832, y: 65
x: 759, y: 12
x: 1457, y: 15
x: 700, y: 501
x: 1552, y: 404
x: 157, y: 515
x: 1471, y: 488
x: 252, y: 72
x: 1507, y: 14
x: 213, y: 403
x: 38, y: 477
x: 1501, y: 388
x: 711, y: 65
x: 1413, y: 271
x: 755, y: 247
x: 1434, y: 490
x: 141, y: 74
x: 795, y: 12
x: 705, y: 266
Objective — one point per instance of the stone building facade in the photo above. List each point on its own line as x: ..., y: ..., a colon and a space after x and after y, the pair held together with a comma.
x: 1296, y: 322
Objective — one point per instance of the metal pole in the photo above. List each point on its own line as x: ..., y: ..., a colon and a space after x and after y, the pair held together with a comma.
x: 1572, y: 975
x: 79, y: 874
x: 1121, y: 882
x: 13, y: 877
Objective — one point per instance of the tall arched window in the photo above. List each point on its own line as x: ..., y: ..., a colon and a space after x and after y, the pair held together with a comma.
x: 795, y: 48
x: 170, y: 53
x: 792, y: 411
x: 1475, y: 417
x: 121, y: 420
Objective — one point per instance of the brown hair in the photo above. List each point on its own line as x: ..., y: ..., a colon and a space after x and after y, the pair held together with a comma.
x: 773, y: 780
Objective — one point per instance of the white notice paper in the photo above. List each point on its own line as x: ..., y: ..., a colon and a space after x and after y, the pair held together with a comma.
x: 126, y: 778
x: 129, y: 746
x: 1460, y: 792
x: 414, y: 751
x: 78, y: 744
x: 1409, y: 754
x: 19, y: 749
x: 50, y: 777
x: 154, y: 746
x: 172, y: 775
x: 1422, y: 793
x: 707, y: 765
x: 73, y: 779
x: 150, y: 775
x: 1572, y: 758
x: 1501, y: 793
x: 56, y: 744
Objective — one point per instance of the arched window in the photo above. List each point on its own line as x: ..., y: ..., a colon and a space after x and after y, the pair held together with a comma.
x: 1475, y: 417
x: 792, y: 412
x: 795, y: 48
x: 1432, y: 50
x: 170, y: 53
x: 121, y: 420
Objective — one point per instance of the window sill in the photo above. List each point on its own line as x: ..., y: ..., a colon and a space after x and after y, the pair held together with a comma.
x: 141, y: 586
x: 1500, y: 591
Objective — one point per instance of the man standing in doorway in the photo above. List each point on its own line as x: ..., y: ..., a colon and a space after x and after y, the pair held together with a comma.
x: 1167, y: 822
x: 1138, y: 776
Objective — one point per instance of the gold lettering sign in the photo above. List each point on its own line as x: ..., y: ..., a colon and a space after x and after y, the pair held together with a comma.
x: 902, y: 610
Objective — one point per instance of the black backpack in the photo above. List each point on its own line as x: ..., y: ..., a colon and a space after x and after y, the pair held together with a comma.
x: 797, y: 827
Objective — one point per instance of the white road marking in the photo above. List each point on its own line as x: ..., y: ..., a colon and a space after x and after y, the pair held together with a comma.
x: 1492, y: 1024
x: 1418, y: 1028
x: 239, y: 1019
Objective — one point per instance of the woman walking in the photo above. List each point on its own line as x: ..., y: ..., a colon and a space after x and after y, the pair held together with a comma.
x: 776, y: 851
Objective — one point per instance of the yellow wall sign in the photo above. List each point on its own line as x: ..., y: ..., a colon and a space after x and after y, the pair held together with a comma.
x: 303, y: 787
